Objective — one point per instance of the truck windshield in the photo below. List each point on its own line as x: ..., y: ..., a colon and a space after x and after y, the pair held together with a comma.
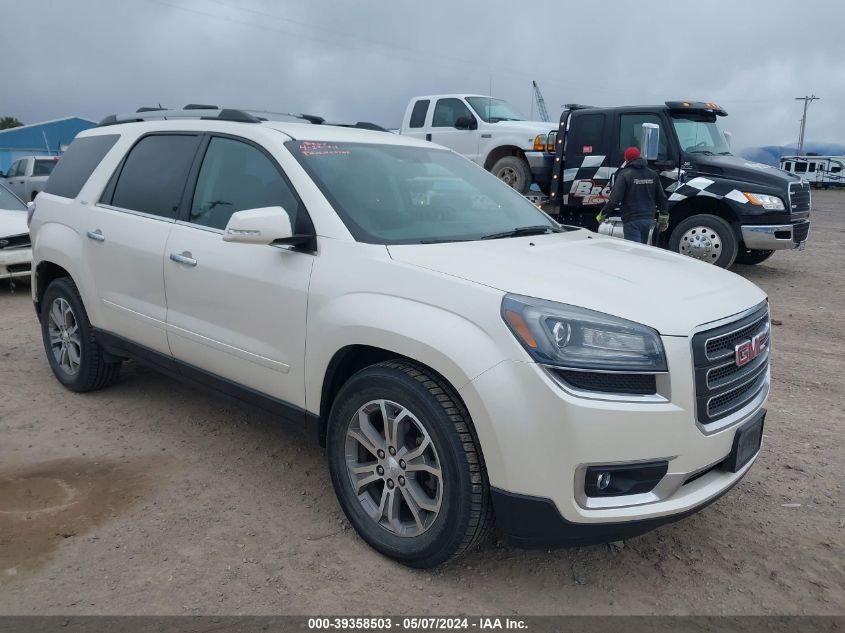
x: 494, y: 110
x: 393, y: 194
x: 698, y: 133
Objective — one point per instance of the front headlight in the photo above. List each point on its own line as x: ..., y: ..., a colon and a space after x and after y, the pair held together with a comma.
x: 764, y: 200
x: 567, y: 336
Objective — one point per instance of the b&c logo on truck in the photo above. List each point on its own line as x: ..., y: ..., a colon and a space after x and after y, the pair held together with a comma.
x: 747, y: 351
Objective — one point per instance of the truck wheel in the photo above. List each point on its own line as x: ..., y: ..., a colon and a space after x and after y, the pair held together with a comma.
x: 514, y: 171
x: 406, y: 466
x: 74, y: 355
x: 749, y: 257
x: 707, y: 238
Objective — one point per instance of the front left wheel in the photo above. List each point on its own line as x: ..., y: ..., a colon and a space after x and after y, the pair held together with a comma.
x: 406, y: 465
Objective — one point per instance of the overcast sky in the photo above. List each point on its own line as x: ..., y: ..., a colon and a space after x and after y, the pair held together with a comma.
x: 364, y: 59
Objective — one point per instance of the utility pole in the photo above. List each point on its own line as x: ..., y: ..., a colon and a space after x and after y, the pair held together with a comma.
x: 806, y: 101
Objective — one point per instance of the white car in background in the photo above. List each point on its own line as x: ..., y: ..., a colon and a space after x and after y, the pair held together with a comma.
x: 15, y: 247
x: 27, y: 176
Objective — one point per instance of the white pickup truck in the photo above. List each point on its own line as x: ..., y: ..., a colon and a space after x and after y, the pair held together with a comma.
x: 27, y: 176
x: 489, y: 132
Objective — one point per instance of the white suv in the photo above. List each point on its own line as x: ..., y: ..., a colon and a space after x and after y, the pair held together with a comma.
x: 458, y: 353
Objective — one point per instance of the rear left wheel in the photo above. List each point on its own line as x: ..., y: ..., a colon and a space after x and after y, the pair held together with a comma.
x: 75, y: 357
x: 406, y: 466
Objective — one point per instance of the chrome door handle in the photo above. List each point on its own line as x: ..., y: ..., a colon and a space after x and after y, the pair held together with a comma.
x: 183, y: 258
x: 96, y: 235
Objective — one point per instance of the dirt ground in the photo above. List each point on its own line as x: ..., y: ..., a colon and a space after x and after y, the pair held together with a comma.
x: 151, y: 498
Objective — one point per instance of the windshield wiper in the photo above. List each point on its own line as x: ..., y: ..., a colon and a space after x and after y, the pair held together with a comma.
x: 522, y: 231
x: 702, y: 151
x: 725, y: 154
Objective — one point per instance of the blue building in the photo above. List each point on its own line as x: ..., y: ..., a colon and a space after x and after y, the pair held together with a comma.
x: 50, y: 138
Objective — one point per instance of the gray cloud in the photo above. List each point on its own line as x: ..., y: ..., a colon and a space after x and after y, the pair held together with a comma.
x: 363, y: 60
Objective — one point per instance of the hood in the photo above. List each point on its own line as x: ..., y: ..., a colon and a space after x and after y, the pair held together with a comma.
x: 739, y: 169
x: 532, y: 127
x: 669, y: 292
x: 12, y: 223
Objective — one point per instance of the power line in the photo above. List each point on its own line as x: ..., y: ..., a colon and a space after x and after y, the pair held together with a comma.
x: 807, y: 101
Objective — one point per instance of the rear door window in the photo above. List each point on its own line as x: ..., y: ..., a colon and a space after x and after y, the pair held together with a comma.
x: 78, y: 163
x: 418, y: 113
x: 153, y: 177
x: 14, y: 169
x: 587, y: 135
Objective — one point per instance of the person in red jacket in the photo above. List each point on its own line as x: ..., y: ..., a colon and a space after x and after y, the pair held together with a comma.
x: 638, y: 195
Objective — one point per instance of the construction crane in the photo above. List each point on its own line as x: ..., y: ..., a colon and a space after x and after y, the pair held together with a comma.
x: 541, y: 103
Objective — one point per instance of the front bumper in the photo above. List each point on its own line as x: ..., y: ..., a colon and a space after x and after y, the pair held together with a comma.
x: 538, y: 439
x: 771, y: 237
x: 540, y: 164
x: 15, y: 262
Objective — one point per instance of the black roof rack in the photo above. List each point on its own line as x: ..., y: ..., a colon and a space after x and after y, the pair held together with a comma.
x: 215, y: 113
x: 191, y: 111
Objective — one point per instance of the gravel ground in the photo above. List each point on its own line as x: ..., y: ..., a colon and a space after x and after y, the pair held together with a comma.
x: 151, y: 498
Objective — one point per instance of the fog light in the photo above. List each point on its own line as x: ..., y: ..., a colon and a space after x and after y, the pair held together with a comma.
x: 623, y: 479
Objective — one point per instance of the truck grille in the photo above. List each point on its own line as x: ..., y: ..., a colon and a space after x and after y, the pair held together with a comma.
x: 799, y: 199
x: 721, y: 385
x: 15, y: 241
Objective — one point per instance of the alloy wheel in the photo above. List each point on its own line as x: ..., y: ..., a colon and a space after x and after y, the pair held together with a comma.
x: 65, y: 338
x: 394, y: 468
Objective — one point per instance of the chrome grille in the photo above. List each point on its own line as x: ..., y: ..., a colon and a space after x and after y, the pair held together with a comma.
x: 15, y: 241
x: 721, y: 385
x: 799, y: 199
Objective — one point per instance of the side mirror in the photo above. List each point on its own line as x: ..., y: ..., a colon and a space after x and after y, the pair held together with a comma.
x: 258, y: 226
x: 465, y: 123
x: 650, y: 141
x: 728, y: 136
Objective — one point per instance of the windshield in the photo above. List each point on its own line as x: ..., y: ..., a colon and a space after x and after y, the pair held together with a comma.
x: 390, y: 194
x: 494, y: 110
x: 698, y: 133
x: 8, y: 200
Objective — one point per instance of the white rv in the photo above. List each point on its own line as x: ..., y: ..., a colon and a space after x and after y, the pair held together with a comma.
x: 819, y: 171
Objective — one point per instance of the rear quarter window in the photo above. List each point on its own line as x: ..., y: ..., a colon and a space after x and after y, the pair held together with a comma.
x: 153, y: 176
x: 78, y: 163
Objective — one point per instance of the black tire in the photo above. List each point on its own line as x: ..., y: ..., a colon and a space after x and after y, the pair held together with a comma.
x: 93, y: 372
x: 465, y: 513
x: 750, y: 258
x: 717, y: 231
x: 513, y: 171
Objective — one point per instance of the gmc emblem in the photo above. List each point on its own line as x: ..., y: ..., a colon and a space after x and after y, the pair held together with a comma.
x: 747, y: 351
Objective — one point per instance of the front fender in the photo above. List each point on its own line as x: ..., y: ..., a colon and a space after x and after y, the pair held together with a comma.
x: 452, y: 345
